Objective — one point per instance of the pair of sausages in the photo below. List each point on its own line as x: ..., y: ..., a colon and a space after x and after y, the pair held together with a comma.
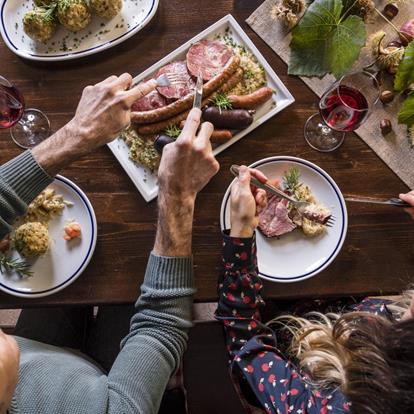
x: 160, y: 126
x: 182, y: 104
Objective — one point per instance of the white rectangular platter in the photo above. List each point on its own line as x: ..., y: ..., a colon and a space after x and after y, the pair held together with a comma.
x: 145, y: 180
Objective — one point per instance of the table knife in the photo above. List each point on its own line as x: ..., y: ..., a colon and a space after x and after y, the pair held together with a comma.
x: 198, y: 96
x: 391, y: 201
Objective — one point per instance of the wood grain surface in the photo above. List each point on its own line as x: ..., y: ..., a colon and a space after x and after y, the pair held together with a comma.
x: 378, y: 255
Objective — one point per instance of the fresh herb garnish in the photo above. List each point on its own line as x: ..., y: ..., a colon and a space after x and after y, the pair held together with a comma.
x: 291, y: 181
x: 221, y: 101
x: 172, y: 131
x: 21, y: 267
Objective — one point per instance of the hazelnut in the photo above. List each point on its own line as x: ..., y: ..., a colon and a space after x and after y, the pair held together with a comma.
x: 391, y: 10
x: 386, y: 97
x: 395, y: 43
x: 385, y: 126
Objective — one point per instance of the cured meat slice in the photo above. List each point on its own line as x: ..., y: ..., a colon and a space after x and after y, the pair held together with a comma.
x: 153, y: 100
x: 210, y: 56
x: 274, y: 220
x: 183, y: 82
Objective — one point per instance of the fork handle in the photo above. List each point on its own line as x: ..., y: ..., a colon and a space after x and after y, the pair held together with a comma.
x: 234, y: 169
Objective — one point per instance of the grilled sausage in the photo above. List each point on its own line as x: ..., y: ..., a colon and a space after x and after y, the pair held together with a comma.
x: 228, y: 118
x: 175, y: 120
x: 160, y: 114
x: 252, y: 100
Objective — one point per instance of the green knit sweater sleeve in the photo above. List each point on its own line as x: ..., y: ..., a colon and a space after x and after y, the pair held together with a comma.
x: 55, y: 380
x: 21, y: 180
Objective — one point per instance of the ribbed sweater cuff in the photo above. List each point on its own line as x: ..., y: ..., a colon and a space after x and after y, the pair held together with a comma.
x: 25, y: 176
x: 165, y: 273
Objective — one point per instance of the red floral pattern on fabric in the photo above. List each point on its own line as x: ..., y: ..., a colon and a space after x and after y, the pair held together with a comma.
x: 252, y: 346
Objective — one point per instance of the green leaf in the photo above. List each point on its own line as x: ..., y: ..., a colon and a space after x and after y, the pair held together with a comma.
x: 406, y: 115
x: 324, y: 43
x: 405, y: 74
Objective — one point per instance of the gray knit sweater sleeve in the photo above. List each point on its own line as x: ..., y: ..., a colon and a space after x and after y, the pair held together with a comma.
x: 57, y: 381
x: 21, y: 180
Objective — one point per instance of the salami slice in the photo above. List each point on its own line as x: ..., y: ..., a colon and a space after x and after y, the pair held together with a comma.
x: 210, y: 56
x: 153, y: 100
x: 183, y: 82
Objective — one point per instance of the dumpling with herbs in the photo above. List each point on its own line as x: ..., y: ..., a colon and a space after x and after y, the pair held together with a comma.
x: 32, y: 239
x: 73, y: 14
x: 106, y: 8
x: 40, y: 24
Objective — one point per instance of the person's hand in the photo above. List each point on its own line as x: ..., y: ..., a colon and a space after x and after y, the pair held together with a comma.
x: 246, y: 203
x: 103, y: 111
x: 9, y: 370
x: 188, y: 164
x: 408, y: 198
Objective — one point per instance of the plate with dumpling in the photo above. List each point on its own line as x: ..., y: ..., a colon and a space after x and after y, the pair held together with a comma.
x: 290, y: 246
x: 51, y: 245
x: 51, y: 30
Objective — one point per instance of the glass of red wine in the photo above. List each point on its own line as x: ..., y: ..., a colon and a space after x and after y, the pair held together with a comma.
x: 343, y: 108
x: 28, y: 127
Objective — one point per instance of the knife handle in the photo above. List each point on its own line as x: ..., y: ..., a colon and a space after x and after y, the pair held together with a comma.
x: 399, y: 203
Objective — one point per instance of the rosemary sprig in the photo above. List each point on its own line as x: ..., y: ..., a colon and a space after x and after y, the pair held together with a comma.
x: 50, y: 12
x: 21, y: 267
x: 172, y: 131
x: 291, y: 180
x: 221, y: 101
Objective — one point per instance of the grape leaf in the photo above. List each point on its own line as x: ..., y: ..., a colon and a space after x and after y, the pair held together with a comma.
x: 323, y: 42
x: 406, y: 114
x: 405, y: 74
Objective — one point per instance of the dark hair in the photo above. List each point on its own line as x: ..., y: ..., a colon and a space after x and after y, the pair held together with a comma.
x: 384, y: 382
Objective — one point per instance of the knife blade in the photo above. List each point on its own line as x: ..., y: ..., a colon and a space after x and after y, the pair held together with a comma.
x: 198, y: 96
x: 391, y: 201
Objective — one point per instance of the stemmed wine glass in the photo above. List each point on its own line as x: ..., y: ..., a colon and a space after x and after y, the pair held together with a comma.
x: 28, y: 127
x: 343, y: 108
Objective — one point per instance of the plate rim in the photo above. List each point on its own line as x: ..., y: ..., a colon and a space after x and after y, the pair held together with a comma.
x: 85, y: 262
x: 74, y: 55
x: 339, y: 194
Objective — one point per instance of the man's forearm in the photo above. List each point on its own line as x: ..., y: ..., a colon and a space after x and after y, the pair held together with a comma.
x: 59, y: 150
x: 175, y: 225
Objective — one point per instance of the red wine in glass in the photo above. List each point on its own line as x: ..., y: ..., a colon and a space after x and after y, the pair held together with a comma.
x: 28, y: 127
x: 344, y: 108
x: 11, y: 106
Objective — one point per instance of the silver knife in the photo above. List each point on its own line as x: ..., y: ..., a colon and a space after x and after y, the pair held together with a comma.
x: 391, y: 201
x: 198, y: 96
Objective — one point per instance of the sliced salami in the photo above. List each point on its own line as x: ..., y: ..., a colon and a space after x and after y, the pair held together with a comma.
x: 183, y: 82
x: 153, y: 100
x: 210, y: 56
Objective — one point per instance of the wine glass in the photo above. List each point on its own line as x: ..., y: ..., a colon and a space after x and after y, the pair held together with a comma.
x: 28, y: 127
x: 343, y: 108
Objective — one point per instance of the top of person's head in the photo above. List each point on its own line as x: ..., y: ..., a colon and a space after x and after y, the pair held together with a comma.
x: 368, y: 357
x: 380, y: 378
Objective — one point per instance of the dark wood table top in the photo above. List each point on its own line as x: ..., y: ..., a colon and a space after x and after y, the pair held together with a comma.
x: 378, y: 255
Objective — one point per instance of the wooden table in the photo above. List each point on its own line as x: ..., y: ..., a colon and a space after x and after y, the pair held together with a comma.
x: 378, y: 255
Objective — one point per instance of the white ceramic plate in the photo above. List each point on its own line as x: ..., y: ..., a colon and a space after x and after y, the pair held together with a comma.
x: 65, y: 261
x: 144, y: 180
x: 99, y: 35
x: 294, y: 257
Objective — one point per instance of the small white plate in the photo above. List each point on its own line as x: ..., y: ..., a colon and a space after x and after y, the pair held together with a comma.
x: 144, y: 180
x: 65, y: 261
x: 294, y: 257
x: 99, y: 35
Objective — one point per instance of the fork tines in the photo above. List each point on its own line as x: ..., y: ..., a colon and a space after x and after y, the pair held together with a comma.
x: 330, y: 222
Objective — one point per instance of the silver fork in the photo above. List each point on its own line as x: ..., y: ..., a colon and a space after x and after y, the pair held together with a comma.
x: 163, y: 80
x: 302, y: 207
